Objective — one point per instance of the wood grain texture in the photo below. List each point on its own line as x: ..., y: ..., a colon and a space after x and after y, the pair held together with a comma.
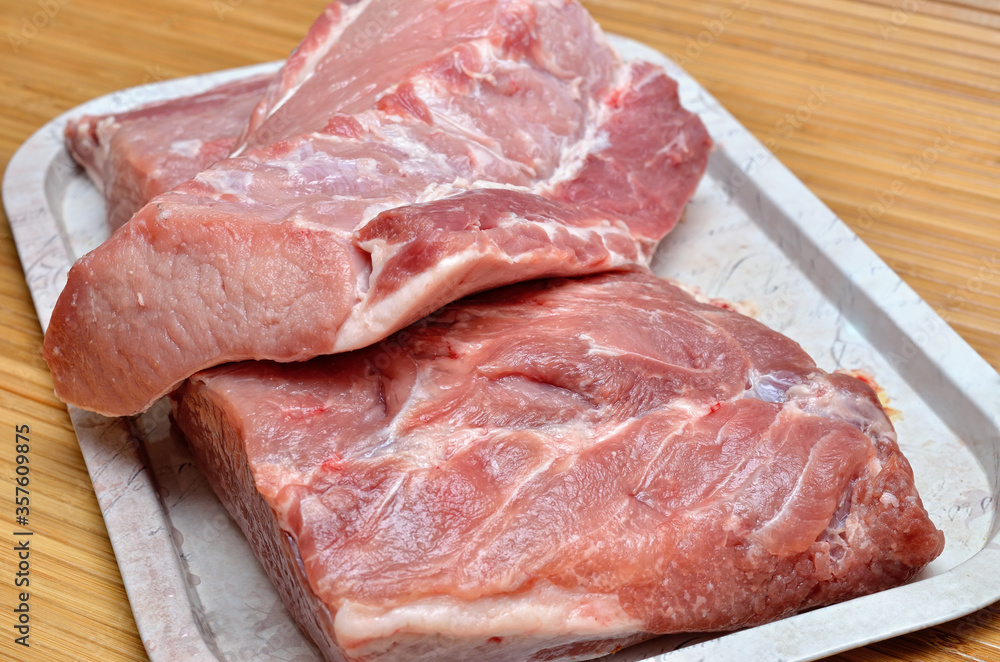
x: 889, y: 110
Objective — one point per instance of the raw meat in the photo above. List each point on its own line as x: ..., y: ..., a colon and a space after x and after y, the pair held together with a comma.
x: 379, y: 42
x: 554, y: 470
x: 532, y: 151
x: 136, y: 155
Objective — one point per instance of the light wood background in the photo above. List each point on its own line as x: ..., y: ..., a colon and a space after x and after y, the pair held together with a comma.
x: 897, y: 74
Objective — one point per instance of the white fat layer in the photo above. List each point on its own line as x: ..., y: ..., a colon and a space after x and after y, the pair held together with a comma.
x: 422, y: 448
x: 574, y: 156
x: 596, y: 349
x: 616, y: 227
x: 544, y: 613
x: 376, y: 208
x: 370, y: 321
x: 186, y: 148
x: 106, y: 126
x: 818, y: 397
x: 484, y: 183
x: 889, y: 500
x: 439, y: 190
x: 226, y: 181
x: 304, y: 156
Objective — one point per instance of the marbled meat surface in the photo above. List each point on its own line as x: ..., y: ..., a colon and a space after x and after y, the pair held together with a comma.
x: 521, y: 146
x: 556, y: 469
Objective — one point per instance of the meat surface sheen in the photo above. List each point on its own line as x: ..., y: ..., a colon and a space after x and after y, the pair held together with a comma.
x: 381, y: 41
x: 136, y: 155
x: 531, y: 151
x: 556, y: 469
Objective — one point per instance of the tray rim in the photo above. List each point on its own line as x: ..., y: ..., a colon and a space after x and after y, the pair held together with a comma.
x: 940, y: 598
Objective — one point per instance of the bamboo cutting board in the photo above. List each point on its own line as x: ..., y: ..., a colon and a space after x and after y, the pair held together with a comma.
x: 889, y: 110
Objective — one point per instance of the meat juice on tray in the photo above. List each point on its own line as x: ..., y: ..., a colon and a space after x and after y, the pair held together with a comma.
x: 550, y: 470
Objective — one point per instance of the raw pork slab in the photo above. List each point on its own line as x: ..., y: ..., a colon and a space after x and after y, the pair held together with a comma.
x: 133, y: 156
x: 378, y: 42
x: 531, y: 151
x: 554, y: 470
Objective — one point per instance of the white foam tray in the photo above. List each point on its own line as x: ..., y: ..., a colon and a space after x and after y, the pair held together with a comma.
x: 753, y: 232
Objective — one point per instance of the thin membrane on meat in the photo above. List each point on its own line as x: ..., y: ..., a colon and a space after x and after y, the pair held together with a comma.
x: 529, y: 151
x: 556, y: 469
x: 135, y: 155
x: 379, y: 42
